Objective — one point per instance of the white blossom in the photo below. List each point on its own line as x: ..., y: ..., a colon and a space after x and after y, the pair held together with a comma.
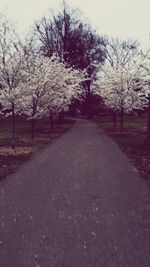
x: 48, y: 86
x: 121, y: 88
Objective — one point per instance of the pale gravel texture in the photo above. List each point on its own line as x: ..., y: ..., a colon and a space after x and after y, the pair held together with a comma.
x: 78, y: 203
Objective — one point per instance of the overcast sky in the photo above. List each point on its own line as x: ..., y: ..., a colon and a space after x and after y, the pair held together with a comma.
x: 122, y: 18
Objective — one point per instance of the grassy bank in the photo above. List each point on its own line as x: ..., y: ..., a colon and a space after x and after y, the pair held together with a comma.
x: 11, y: 159
x: 130, y: 140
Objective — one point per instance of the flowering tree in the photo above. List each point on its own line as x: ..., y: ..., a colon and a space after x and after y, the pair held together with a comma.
x: 32, y: 88
x: 119, y: 56
x: 121, y: 90
x: 11, y: 55
x: 59, y: 95
x: 144, y: 65
x: 32, y: 84
x: 47, y: 87
x: 120, y: 84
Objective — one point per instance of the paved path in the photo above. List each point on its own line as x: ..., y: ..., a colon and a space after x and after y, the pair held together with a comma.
x: 79, y: 203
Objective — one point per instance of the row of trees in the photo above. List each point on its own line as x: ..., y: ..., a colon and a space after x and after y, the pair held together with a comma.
x: 124, y: 83
x: 66, y: 60
x: 52, y: 69
x: 115, y: 64
x: 32, y: 84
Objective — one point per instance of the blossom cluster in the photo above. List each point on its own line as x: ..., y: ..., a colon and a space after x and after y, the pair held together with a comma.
x: 35, y: 85
x: 126, y: 87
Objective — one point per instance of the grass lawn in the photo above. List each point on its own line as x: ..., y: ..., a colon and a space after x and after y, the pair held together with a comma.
x: 130, y: 140
x: 11, y: 159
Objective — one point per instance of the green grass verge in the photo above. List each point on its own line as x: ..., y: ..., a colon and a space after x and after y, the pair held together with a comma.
x: 11, y: 159
x: 131, y: 140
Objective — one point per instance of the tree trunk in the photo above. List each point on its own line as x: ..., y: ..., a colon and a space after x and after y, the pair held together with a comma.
x: 89, y: 112
x: 114, y: 117
x: 51, y: 120
x: 61, y: 117
x: 74, y: 111
x: 147, y: 140
x: 13, y: 126
x: 148, y: 121
x: 139, y: 113
x: 122, y: 119
x: 33, y: 128
x: 89, y: 100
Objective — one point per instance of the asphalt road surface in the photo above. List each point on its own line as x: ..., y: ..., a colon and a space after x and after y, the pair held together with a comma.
x: 78, y: 203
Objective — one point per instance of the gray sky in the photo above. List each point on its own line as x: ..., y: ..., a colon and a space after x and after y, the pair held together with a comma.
x: 118, y: 18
